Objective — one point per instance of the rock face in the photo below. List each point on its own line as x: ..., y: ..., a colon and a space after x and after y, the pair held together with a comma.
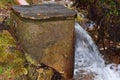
x: 46, y: 33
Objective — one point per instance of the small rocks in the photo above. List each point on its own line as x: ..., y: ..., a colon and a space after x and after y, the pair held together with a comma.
x: 43, y: 72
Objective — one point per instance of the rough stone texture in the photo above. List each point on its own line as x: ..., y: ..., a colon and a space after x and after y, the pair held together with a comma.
x: 47, y: 40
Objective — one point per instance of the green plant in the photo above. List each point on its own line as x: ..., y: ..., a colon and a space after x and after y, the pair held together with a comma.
x: 1, y: 70
x: 8, y: 1
x: 110, y: 6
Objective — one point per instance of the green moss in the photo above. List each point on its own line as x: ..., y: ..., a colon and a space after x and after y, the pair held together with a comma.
x: 11, y: 60
x: 7, y: 1
x: 6, y: 42
x: 4, y: 3
x: 1, y: 70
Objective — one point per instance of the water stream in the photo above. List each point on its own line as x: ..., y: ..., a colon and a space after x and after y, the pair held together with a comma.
x: 88, y: 60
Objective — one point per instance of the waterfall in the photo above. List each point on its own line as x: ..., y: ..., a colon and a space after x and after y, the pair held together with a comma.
x: 88, y: 59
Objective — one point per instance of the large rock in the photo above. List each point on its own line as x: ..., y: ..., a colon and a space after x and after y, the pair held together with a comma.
x: 46, y: 33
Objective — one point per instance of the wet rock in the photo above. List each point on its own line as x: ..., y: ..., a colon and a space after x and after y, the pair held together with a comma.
x: 89, y: 76
x: 46, y: 33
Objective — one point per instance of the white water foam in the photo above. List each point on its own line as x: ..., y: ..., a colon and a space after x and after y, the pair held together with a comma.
x: 89, y: 60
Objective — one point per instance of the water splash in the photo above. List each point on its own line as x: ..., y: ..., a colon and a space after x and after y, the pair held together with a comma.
x: 89, y: 60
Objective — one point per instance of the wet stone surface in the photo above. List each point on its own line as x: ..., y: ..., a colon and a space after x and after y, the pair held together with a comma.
x: 44, y: 11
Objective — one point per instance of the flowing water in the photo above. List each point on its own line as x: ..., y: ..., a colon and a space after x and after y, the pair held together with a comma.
x: 88, y: 60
